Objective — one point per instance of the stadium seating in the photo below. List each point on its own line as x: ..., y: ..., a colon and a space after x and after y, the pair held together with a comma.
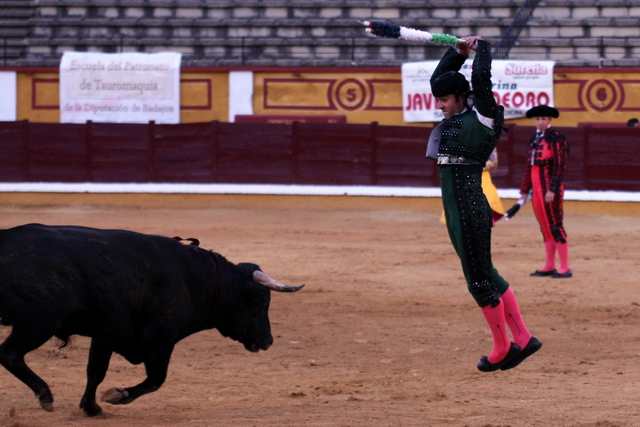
x: 310, y: 32
x: 14, y: 29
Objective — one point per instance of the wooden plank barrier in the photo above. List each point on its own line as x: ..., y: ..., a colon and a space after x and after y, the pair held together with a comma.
x: 280, y: 153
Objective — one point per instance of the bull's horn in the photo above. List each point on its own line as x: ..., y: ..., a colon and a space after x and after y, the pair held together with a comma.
x: 263, y: 279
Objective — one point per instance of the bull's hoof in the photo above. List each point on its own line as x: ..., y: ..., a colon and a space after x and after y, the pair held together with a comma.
x: 47, y: 406
x: 114, y: 395
x: 46, y: 400
x: 92, y: 410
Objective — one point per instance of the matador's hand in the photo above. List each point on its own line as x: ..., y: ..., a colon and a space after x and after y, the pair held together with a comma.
x: 468, y: 44
x: 549, y: 196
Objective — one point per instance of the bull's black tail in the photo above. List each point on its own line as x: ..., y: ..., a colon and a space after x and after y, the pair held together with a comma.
x: 4, y: 321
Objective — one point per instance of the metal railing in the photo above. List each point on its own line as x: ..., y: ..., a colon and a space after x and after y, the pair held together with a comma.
x: 512, y: 33
x: 7, y: 55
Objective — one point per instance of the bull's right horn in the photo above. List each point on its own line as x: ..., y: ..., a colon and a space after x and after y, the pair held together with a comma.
x: 263, y: 279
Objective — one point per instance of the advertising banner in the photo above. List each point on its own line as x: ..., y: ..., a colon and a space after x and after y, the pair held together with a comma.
x: 120, y: 87
x: 517, y: 86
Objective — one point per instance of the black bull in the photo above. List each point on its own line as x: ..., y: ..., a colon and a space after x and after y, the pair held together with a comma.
x: 133, y: 294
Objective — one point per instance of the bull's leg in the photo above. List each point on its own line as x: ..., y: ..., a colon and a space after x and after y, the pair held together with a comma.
x: 156, y: 364
x: 99, y: 357
x: 12, y: 352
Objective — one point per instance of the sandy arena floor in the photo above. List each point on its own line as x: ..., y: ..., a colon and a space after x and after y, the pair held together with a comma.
x: 384, y: 334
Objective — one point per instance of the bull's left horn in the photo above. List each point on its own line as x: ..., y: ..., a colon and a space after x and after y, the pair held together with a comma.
x: 263, y: 279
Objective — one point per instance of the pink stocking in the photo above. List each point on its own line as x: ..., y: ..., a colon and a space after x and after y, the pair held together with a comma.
x: 550, y: 249
x: 563, y: 252
x: 521, y: 334
x: 496, y: 321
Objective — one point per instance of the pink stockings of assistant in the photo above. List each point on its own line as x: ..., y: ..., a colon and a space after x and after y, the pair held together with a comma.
x: 551, y: 247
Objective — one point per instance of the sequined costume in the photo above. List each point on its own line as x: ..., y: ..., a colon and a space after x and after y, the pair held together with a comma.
x: 464, y: 143
x: 489, y: 189
x: 546, y: 169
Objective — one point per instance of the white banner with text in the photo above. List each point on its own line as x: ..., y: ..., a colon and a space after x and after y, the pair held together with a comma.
x: 120, y: 87
x: 517, y: 86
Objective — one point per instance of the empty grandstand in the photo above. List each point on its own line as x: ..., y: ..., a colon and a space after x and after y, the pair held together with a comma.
x: 291, y: 33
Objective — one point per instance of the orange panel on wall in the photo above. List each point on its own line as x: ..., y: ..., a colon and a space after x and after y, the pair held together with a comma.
x: 204, y: 97
x: 45, y: 94
x: 363, y: 97
x: 195, y: 94
x: 294, y: 94
x: 630, y: 99
x: 386, y: 94
x: 360, y: 95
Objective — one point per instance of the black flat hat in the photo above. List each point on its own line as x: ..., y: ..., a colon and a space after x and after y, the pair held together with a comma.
x: 448, y: 83
x: 543, y: 111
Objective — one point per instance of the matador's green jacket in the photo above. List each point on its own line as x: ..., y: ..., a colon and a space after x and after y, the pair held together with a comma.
x: 464, y: 143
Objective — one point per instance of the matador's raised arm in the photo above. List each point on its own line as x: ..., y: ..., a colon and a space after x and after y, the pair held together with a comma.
x: 481, y: 83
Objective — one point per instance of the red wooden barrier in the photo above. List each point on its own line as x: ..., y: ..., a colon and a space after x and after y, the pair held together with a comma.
x: 183, y: 153
x: 296, y: 153
x: 13, y: 151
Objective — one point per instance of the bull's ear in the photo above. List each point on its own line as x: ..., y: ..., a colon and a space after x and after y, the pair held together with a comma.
x: 262, y: 279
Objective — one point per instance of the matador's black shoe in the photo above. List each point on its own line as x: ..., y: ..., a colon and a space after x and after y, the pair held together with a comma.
x: 485, y: 366
x: 532, y: 346
x: 541, y: 273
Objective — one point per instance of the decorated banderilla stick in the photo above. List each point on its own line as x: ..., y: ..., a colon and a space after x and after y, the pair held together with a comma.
x: 382, y: 29
x: 515, y: 208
